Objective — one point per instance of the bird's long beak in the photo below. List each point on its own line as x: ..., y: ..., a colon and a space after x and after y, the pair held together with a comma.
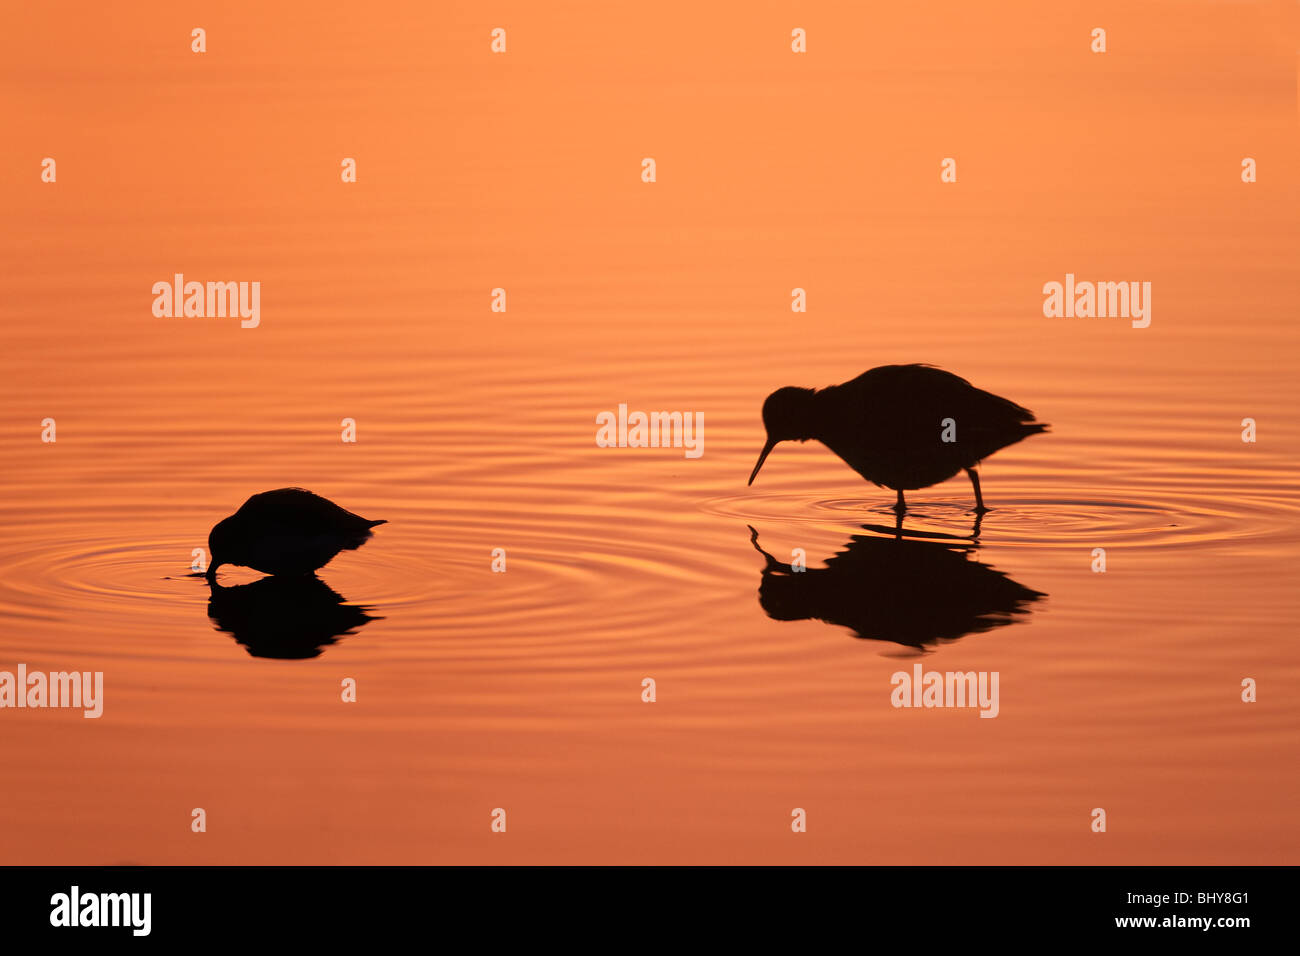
x: 767, y: 450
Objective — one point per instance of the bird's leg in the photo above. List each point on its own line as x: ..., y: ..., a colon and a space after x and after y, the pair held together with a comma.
x: 979, y: 499
x: 900, y: 506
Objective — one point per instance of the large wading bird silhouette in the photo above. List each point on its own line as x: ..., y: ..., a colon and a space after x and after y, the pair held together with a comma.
x: 900, y: 426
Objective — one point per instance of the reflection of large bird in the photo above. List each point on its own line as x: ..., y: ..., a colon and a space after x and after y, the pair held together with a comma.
x: 910, y: 592
x: 289, y: 618
x: 286, y: 531
x: 901, y: 426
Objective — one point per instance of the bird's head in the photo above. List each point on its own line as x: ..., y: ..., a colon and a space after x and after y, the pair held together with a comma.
x: 223, y: 545
x: 786, y: 416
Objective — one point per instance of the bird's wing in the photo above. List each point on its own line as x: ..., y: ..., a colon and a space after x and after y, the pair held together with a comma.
x: 297, y: 510
x: 926, y: 395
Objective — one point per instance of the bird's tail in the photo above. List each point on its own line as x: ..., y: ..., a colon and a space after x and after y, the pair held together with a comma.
x: 373, y: 524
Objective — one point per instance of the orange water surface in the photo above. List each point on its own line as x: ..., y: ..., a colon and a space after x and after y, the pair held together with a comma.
x: 475, y: 428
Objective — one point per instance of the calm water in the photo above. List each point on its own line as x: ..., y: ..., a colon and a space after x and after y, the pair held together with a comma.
x: 476, y: 431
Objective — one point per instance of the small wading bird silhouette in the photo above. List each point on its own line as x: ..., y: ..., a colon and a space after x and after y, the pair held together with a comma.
x: 286, y: 531
x: 900, y: 426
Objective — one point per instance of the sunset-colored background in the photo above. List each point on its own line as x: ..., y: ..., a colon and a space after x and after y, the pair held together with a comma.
x: 522, y: 170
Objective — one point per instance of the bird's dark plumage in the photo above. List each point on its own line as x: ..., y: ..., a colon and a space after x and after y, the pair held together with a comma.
x: 286, y: 531
x: 890, y: 425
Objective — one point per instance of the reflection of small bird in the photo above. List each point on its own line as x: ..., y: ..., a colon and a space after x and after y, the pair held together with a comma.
x: 287, y: 618
x: 901, y: 426
x: 909, y: 592
x: 287, y: 531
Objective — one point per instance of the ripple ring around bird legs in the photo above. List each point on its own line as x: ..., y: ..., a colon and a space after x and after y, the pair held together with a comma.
x: 1062, y: 521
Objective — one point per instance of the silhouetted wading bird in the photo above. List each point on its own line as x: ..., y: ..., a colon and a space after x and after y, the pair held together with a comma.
x: 900, y: 426
x: 286, y: 531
